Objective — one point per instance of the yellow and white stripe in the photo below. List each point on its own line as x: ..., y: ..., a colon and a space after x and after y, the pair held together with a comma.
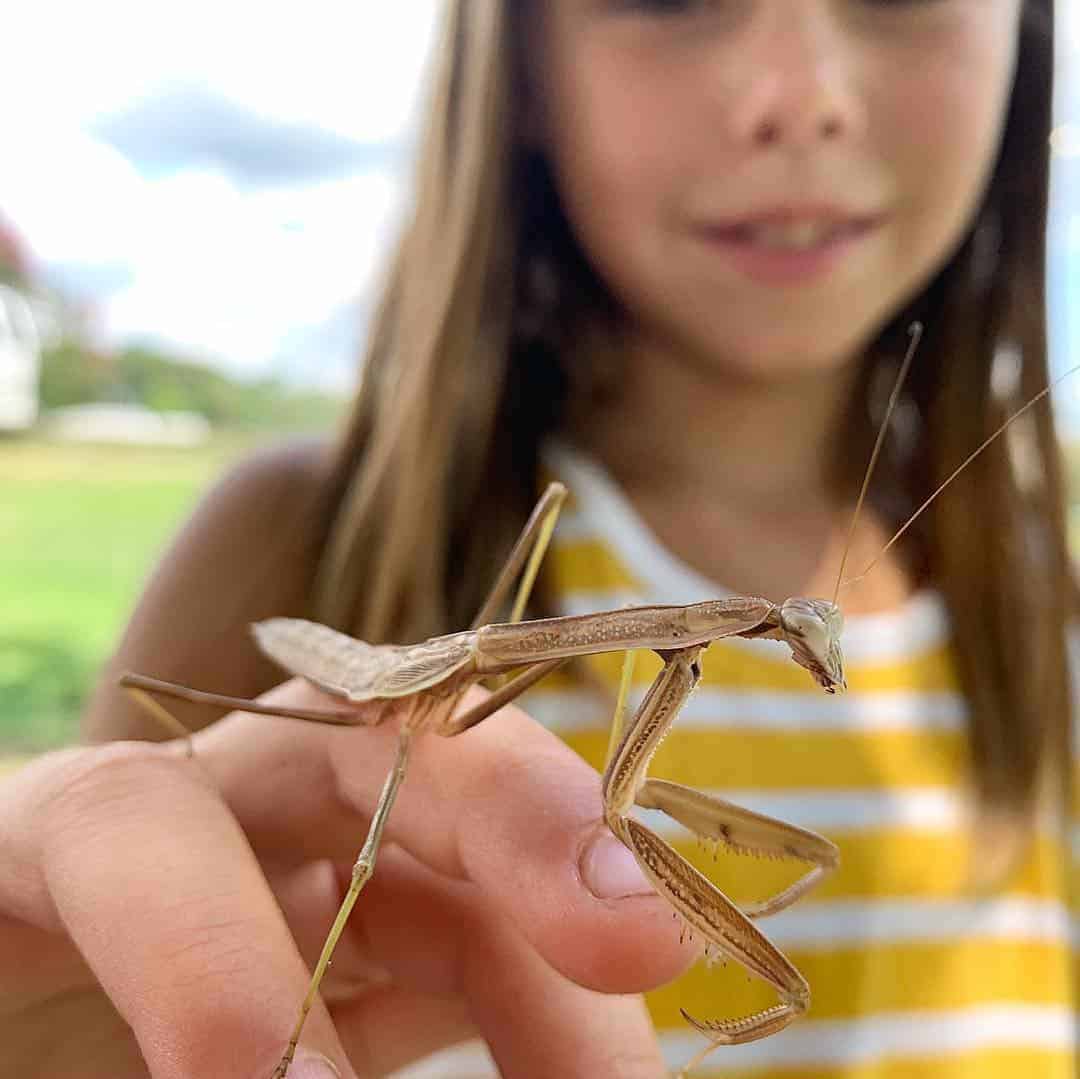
x: 911, y: 974
x: 990, y: 1042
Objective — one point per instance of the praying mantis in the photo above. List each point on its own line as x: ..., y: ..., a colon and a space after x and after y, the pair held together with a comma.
x: 425, y: 682
x: 424, y: 685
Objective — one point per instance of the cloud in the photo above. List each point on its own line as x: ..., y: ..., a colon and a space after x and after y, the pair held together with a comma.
x: 191, y: 127
x: 354, y: 68
x: 325, y: 353
x: 227, y: 275
x: 73, y: 199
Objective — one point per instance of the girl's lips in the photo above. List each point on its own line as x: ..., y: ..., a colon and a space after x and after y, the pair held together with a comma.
x: 759, y: 251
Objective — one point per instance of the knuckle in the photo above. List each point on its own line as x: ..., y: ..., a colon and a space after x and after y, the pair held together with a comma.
x: 113, y: 778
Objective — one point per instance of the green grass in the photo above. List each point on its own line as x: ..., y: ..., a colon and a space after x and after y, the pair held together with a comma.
x: 80, y: 528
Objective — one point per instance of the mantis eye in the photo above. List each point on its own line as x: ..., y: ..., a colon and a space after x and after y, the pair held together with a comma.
x: 812, y: 629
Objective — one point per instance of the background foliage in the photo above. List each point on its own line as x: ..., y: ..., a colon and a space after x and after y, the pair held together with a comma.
x: 82, y: 525
x: 72, y: 374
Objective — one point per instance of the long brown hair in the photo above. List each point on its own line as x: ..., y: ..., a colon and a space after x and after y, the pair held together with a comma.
x: 437, y: 465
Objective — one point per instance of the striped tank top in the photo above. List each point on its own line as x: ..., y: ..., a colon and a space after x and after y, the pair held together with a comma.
x: 912, y: 976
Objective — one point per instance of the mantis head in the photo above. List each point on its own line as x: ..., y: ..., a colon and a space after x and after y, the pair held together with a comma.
x: 811, y: 628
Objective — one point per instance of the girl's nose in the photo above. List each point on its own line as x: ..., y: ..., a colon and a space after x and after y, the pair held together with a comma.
x: 797, y: 80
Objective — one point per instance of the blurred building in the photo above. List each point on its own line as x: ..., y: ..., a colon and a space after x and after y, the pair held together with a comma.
x: 20, y: 343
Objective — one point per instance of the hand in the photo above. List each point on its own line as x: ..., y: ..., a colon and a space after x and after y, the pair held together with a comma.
x: 160, y: 914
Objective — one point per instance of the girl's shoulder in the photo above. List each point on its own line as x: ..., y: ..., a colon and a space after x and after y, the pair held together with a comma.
x: 255, y: 531
x: 282, y: 478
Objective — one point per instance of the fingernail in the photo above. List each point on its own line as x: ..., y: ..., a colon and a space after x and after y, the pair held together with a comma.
x: 312, y: 1066
x: 610, y: 871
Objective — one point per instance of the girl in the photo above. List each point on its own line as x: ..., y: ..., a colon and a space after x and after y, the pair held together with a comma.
x: 666, y: 251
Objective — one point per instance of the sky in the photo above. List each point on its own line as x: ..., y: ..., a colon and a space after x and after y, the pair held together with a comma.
x: 224, y: 179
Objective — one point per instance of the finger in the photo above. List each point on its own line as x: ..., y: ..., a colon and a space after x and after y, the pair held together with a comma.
x: 506, y: 806
x: 393, y: 1027
x: 449, y: 965
x: 77, y: 1035
x: 133, y: 853
x: 538, y: 1023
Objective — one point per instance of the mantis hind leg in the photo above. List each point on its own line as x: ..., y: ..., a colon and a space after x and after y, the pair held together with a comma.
x: 141, y: 686
x: 160, y: 715
x: 531, y: 545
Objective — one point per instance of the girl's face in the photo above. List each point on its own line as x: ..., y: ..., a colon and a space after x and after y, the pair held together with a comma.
x: 763, y: 183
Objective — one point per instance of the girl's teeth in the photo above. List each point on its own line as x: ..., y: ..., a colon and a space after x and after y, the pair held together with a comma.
x: 797, y: 235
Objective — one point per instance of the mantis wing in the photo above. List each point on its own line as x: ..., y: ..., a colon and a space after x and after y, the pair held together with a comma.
x: 354, y: 669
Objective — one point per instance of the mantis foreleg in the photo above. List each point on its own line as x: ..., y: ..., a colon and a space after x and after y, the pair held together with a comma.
x: 699, y: 902
x: 745, y: 832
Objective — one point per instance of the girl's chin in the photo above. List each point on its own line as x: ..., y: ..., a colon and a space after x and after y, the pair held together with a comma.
x: 777, y: 345
x: 781, y: 360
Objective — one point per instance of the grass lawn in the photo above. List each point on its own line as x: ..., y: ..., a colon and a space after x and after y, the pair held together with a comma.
x: 80, y: 527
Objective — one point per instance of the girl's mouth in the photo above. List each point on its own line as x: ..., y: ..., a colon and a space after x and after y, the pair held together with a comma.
x: 786, y: 250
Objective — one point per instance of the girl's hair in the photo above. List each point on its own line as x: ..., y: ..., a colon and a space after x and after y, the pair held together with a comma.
x: 475, y: 353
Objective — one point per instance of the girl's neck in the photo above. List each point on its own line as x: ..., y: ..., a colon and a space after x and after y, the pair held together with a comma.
x: 733, y: 475
x: 675, y: 424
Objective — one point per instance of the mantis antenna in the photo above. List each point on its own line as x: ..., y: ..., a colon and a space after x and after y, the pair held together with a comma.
x: 915, y: 330
x: 960, y: 468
